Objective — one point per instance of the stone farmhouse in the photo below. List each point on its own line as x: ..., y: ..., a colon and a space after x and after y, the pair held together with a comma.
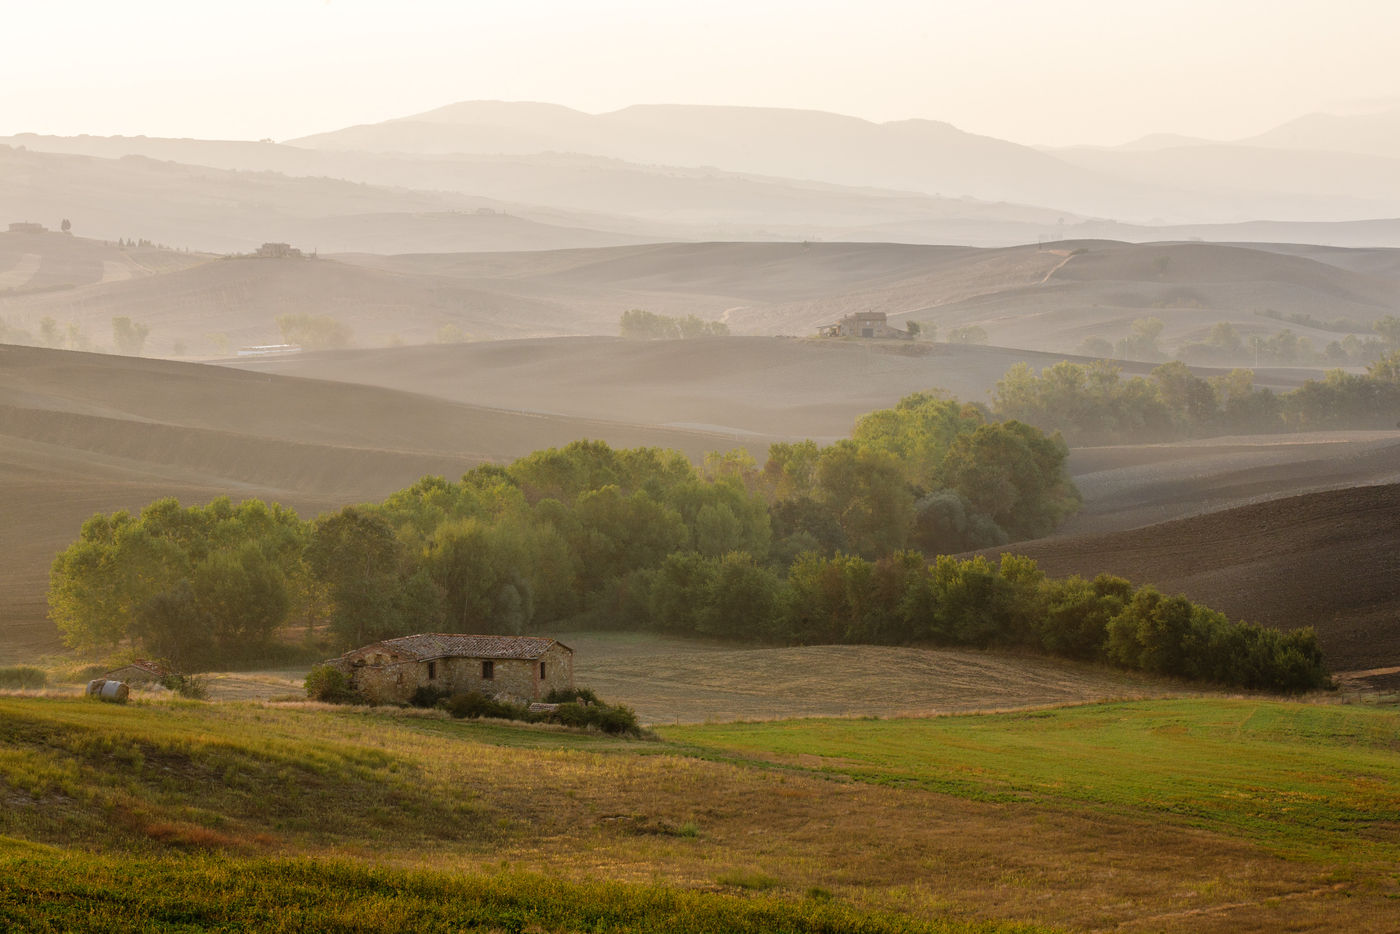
x: 520, y: 668
x: 863, y: 324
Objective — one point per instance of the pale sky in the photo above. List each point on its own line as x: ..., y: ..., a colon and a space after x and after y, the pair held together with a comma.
x: 1052, y: 72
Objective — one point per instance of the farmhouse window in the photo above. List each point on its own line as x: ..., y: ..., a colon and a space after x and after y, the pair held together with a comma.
x: 541, y: 671
x: 488, y: 670
x: 432, y: 670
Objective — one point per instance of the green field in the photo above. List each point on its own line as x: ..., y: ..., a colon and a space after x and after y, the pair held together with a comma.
x: 1200, y: 814
x: 1305, y: 780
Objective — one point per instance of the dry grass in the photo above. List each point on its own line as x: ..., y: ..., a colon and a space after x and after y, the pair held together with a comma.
x: 670, y: 680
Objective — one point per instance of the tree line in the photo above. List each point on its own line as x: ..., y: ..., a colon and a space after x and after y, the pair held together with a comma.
x: 1224, y: 346
x: 815, y: 546
x: 638, y: 324
x: 554, y: 536
x: 1093, y: 403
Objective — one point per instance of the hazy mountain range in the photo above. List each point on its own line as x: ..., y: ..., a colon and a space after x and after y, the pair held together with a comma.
x: 489, y: 175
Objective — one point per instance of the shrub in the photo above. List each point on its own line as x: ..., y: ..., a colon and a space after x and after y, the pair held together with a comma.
x: 191, y: 686
x: 615, y: 719
x: 23, y: 676
x: 324, y: 683
x: 570, y: 695
x: 476, y: 704
x: 425, y: 695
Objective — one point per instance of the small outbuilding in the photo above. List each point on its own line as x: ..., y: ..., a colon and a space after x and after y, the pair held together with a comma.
x: 139, y: 672
x: 523, y: 668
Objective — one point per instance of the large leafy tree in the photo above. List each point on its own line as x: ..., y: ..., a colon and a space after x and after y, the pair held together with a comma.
x: 358, y: 557
x: 1014, y: 474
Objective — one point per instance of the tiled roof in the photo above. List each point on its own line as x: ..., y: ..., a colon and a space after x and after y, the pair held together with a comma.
x: 450, y: 645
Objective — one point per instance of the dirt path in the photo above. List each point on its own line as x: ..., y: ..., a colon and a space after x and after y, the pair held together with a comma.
x: 1068, y: 255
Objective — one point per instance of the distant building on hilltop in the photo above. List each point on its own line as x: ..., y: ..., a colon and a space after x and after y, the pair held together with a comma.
x: 863, y: 324
x: 277, y: 251
x: 28, y: 227
x: 524, y: 668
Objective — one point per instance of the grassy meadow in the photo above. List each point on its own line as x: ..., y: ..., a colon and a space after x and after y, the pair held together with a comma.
x: 1200, y: 814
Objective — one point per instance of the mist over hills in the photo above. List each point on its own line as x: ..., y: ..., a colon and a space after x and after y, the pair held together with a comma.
x: 223, y: 196
x: 1376, y: 133
x: 482, y: 175
x: 1046, y: 299
x: 1190, y: 184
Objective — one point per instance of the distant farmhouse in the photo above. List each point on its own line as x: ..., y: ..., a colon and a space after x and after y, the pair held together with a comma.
x: 524, y: 668
x: 864, y: 324
x: 278, y: 251
x: 27, y: 227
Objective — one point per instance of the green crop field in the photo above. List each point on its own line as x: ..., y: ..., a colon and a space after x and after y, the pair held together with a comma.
x: 1189, y: 814
x: 1308, y: 780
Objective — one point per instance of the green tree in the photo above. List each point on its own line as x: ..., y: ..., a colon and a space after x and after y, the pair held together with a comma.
x: 48, y: 333
x: 314, y: 332
x: 638, y: 324
x: 98, y: 584
x: 742, y: 600
x: 170, y: 626
x: 130, y: 336
x: 969, y: 334
x: 1190, y: 399
x: 1014, y: 474
x: 357, y: 556
x: 242, y: 598
x: 865, y: 489
x: 1141, y: 343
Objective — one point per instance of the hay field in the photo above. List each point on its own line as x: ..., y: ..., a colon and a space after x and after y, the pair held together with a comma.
x: 685, y: 681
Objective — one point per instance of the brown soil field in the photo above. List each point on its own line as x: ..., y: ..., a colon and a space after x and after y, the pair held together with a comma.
x: 1130, y: 486
x: 1329, y: 560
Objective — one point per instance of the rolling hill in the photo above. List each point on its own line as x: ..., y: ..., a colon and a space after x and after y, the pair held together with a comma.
x: 1035, y: 298
x: 226, y: 210
x: 1039, y: 299
x: 759, y: 386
